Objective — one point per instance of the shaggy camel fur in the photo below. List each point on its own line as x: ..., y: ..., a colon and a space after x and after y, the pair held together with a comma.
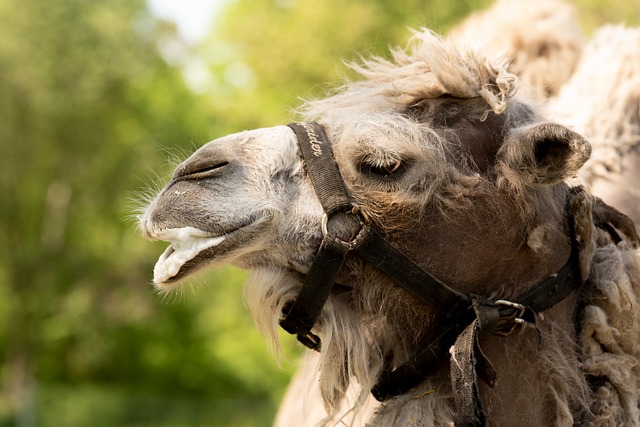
x: 467, y: 178
x: 541, y: 38
x: 602, y: 102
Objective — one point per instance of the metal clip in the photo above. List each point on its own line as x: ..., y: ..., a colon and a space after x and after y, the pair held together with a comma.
x: 310, y: 340
x: 516, y: 320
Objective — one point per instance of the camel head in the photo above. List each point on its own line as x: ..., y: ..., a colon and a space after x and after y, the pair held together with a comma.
x: 440, y: 156
x: 444, y: 164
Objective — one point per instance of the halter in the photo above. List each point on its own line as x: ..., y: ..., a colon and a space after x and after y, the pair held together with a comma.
x: 466, y: 316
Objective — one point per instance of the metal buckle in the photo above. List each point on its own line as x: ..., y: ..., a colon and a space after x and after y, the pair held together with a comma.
x: 363, y: 230
x: 516, y: 320
x: 310, y: 340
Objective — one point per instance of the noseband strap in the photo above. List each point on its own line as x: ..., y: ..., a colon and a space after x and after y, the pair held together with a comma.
x: 346, y: 229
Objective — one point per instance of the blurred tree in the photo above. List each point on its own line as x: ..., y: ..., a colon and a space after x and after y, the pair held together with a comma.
x: 86, y: 104
x: 595, y: 13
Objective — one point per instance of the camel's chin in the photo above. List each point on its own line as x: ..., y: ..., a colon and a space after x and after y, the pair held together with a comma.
x: 192, y: 249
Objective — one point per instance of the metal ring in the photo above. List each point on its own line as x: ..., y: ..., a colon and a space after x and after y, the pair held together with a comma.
x: 353, y: 243
x: 323, y: 225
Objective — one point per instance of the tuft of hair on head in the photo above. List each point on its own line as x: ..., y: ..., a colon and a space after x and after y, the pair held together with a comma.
x: 430, y: 67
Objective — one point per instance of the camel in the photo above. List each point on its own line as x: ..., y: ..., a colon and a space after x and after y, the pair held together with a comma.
x: 419, y: 231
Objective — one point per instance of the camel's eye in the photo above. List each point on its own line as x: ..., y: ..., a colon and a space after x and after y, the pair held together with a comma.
x: 382, y: 169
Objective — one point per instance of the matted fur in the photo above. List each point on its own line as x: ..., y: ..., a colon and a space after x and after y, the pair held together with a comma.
x: 610, y: 335
x: 602, y: 102
x: 428, y: 69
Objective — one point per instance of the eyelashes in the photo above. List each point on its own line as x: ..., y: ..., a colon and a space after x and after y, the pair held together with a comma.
x: 382, y: 170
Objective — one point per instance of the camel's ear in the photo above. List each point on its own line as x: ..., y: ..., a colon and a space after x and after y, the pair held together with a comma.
x: 544, y: 153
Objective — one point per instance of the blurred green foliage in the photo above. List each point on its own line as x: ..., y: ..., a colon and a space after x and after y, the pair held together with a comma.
x: 93, y: 111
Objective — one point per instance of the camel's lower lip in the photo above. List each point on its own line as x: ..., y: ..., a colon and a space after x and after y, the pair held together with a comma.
x: 192, y: 248
x: 186, y: 244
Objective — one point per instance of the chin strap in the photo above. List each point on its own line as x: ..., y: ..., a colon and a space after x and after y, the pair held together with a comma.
x: 467, y: 317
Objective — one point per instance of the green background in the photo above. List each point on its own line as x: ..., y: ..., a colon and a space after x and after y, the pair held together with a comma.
x: 98, y: 101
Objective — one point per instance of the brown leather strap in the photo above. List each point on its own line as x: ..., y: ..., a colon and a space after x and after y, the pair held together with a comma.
x: 303, y: 312
x: 469, y: 412
x: 509, y: 315
x: 321, y: 167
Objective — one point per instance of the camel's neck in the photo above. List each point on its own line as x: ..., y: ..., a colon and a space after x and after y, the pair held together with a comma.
x: 538, y: 379
x: 527, y: 361
x: 476, y: 256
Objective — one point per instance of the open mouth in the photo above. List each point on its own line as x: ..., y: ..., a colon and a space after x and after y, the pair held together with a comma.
x: 192, y: 248
x: 186, y: 244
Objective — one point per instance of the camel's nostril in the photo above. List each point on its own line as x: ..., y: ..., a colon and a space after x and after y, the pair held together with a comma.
x: 200, y: 170
x: 211, y: 168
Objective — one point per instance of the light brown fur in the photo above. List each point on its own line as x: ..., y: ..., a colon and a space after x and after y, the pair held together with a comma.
x: 602, y: 101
